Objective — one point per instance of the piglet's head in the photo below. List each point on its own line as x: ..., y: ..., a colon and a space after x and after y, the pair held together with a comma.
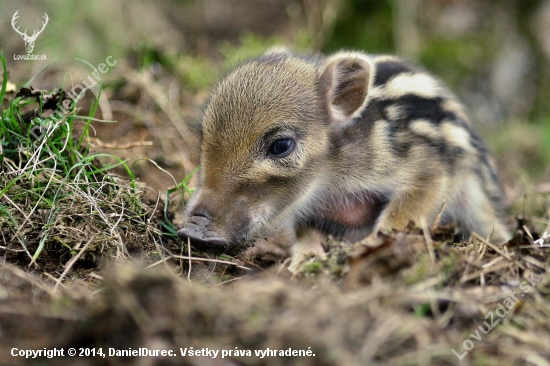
x: 265, y: 146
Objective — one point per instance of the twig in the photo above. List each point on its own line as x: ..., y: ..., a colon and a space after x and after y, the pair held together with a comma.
x: 209, y: 260
x: 522, y: 246
x: 542, y: 239
x: 494, y: 247
x: 73, y: 260
x: 126, y: 145
x: 438, y: 217
x: 233, y: 279
x: 429, y: 242
x: 535, y: 262
x: 189, y: 254
x: 13, y: 250
x: 160, y: 249
x: 97, y: 291
x: 491, y: 263
x: 476, y: 249
x: 158, y: 262
x: 17, y: 233
x: 51, y: 277
x: 465, y: 274
x: 529, y: 236
x: 252, y: 264
x: 483, y: 272
x: 210, y: 274
x: 27, y: 277
x: 483, y: 250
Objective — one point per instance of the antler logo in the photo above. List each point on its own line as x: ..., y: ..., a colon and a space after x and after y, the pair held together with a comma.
x: 29, y: 41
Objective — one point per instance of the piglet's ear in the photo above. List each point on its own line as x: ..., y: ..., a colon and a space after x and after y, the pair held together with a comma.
x: 345, y: 82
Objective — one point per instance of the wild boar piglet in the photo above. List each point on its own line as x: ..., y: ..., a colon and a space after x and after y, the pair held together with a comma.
x: 344, y: 145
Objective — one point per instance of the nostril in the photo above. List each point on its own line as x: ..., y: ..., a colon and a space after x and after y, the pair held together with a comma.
x: 202, y: 222
x: 201, y: 213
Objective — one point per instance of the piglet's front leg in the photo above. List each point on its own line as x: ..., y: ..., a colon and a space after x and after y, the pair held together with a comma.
x: 308, y: 241
x: 412, y: 204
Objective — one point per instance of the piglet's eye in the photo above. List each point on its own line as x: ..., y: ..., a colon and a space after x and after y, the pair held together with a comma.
x: 281, y: 148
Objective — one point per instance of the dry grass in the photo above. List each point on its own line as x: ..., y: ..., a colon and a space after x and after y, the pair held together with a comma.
x: 61, y: 207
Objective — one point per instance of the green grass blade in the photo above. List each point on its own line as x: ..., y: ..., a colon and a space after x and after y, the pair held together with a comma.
x: 4, y: 77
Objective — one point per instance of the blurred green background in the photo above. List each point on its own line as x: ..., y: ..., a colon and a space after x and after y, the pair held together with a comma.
x: 494, y: 54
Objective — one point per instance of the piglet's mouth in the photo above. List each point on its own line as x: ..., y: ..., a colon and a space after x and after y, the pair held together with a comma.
x: 209, y: 244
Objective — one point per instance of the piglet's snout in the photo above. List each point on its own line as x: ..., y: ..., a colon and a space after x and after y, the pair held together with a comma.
x: 198, y: 232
